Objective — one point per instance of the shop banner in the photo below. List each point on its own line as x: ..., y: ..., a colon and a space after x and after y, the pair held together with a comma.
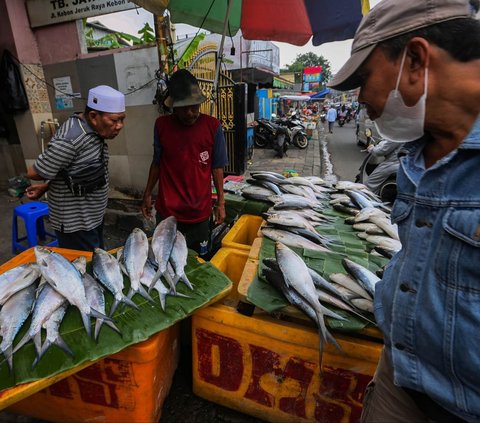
x: 48, y: 12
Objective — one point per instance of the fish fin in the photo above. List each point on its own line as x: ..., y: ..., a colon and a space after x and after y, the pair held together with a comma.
x: 113, y: 326
x: 86, y: 323
x: 179, y: 294
x: 170, y: 282
x: 156, y: 277
x: 37, y: 341
x: 98, y: 326
x: 98, y: 315
x: 163, y: 300
x: 114, y: 307
x: 144, y: 294
x: 186, y: 281
x: 8, y: 353
x: 129, y: 302
x: 22, y: 342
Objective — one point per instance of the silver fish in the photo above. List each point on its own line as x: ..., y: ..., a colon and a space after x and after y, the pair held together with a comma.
x: 385, y: 241
x: 178, y: 259
x: 291, y: 239
x: 162, y: 245
x: 257, y: 193
x: 365, y: 277
x: 383, y: 223
x: 106, y: 270
x: 12, y: 316
x: 16, y: 279
x: 66, y: 279
x: 363, y: 304
x: 47, y: 302
x: 53, y: 337
x: 134, y: 257
x: 297, y: 277
x: 349, y: 283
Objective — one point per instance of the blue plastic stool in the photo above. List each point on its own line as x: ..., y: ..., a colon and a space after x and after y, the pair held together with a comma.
x: 32, y: 214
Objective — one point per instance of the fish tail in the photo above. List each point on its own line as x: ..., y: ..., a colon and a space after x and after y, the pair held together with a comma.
x: 86, y: 323
x: 129, y: 302
x: 170, y: 281
x: 114, y: 307
x: 98, y: 315
x: 8, y: 353
x: 113, y: 326
x: 156, y: 277
x: 98, y: 326
x: 37, y: 341
x: 22, y: 342
x: 144, y: 294
x: 179, y: 294
x: 186, y: 281
x: 163, y: 300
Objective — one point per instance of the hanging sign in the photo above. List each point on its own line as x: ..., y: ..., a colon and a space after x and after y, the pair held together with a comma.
x: 48, y: 12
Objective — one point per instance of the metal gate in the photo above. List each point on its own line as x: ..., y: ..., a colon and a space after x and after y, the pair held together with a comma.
x: 229, y: 106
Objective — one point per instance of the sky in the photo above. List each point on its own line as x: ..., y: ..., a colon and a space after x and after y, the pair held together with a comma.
x: 131, y: 21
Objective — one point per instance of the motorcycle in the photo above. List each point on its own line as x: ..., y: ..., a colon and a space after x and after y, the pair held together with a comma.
x: 341, y: 121
x: 267, y: 134
x: 387, y: 190
x: 296, y: 131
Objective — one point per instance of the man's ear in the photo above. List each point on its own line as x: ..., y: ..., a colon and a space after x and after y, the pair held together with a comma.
x: 418, y: 57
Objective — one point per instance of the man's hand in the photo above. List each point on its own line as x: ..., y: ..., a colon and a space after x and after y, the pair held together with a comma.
x: 147, y: 206
x: 220, y: 214
x: 34, y: 192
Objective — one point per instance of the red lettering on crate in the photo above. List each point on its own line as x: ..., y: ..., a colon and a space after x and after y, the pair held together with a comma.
x: 94, y: 390
x: 341, y: 395
x: 263, y: 362
x: 266, y: 362
x: 230, y: 357
x: 301, y: 371
x: 60, y: 389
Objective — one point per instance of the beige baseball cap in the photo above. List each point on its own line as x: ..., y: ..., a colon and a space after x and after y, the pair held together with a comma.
x: 389, y: 19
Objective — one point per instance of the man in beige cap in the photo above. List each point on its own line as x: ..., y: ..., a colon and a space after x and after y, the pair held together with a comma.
x: 417, y: 63
x: 189, y: 152
x: 75, y: 166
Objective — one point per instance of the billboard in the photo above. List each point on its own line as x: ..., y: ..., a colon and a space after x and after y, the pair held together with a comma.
x: 312, y: 76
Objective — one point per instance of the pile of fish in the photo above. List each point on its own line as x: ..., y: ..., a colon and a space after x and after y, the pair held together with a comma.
x: 44, y: 290
x: 299, y: 208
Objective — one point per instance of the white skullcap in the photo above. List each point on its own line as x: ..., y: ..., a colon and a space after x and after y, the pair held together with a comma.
x: 106, y: 99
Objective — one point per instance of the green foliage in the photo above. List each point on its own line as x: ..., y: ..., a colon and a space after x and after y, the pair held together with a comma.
x: 311, y: 59
x: 190, y: 50
x: 111, y: 41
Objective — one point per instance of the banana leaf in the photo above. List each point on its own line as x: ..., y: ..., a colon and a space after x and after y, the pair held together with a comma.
x: 135, y: 326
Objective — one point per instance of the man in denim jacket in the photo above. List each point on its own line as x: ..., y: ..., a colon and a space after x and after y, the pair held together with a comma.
x: 417, y: 63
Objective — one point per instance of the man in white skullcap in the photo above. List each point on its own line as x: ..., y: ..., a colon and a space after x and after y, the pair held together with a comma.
x: 75, y: 170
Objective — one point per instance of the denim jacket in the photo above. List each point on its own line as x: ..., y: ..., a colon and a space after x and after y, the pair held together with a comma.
x: 428, y: 303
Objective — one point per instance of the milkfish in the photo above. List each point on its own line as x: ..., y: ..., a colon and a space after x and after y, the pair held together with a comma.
x: 12, y: 316
x: 16, y: 279
x: 350, y: 283
x: 163, y: 291
x: 365, y: 277
x: 106, y: 270
x: 257, y: 193
x: 178, y: 259
x: 66, y: 279
x: 96, y: 299
x: 134, y: 257
x: 47, y: 302
x: 290, y: 239
x: 297, y: 277
x: 53, y: 337
x: 162, y: 245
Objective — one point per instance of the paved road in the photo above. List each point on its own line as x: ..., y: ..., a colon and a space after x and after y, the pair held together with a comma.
x: 345, y: 155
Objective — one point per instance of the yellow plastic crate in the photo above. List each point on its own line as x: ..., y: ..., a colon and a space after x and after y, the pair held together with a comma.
x: 243, y: 232
x: 269, y: 368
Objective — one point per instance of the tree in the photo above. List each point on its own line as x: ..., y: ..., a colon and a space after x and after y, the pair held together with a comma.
x: 311, y: 59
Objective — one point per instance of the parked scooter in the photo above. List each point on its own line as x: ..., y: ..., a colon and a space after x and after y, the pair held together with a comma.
x: 296, y: 131
x: 270, y: 135
x: 387, y: 166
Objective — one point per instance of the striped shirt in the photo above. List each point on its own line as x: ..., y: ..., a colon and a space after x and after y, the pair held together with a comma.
x: 74, y: 146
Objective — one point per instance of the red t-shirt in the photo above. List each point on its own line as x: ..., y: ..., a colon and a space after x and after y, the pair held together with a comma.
x: 187, y: 155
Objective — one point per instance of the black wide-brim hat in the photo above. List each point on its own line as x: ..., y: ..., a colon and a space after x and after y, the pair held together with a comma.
x: 183, y: 90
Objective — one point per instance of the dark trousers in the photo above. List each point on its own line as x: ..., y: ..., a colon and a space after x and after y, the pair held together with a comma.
x: 330, y: 127
x: 81, y: 240
x: 197, y: 235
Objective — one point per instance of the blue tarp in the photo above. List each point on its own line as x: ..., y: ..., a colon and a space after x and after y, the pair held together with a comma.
x: 320, y: 94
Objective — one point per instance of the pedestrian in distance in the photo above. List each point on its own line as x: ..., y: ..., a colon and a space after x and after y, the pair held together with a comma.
x: 417, y: 63
x: 189, y: 150
x: 75, y: 168
x: 331, y: 118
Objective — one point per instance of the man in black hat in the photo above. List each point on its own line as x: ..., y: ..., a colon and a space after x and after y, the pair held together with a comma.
x: 417, y: 63
x: 189, y: 149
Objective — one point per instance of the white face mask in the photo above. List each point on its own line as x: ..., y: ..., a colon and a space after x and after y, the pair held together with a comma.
x: 398, y: 122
